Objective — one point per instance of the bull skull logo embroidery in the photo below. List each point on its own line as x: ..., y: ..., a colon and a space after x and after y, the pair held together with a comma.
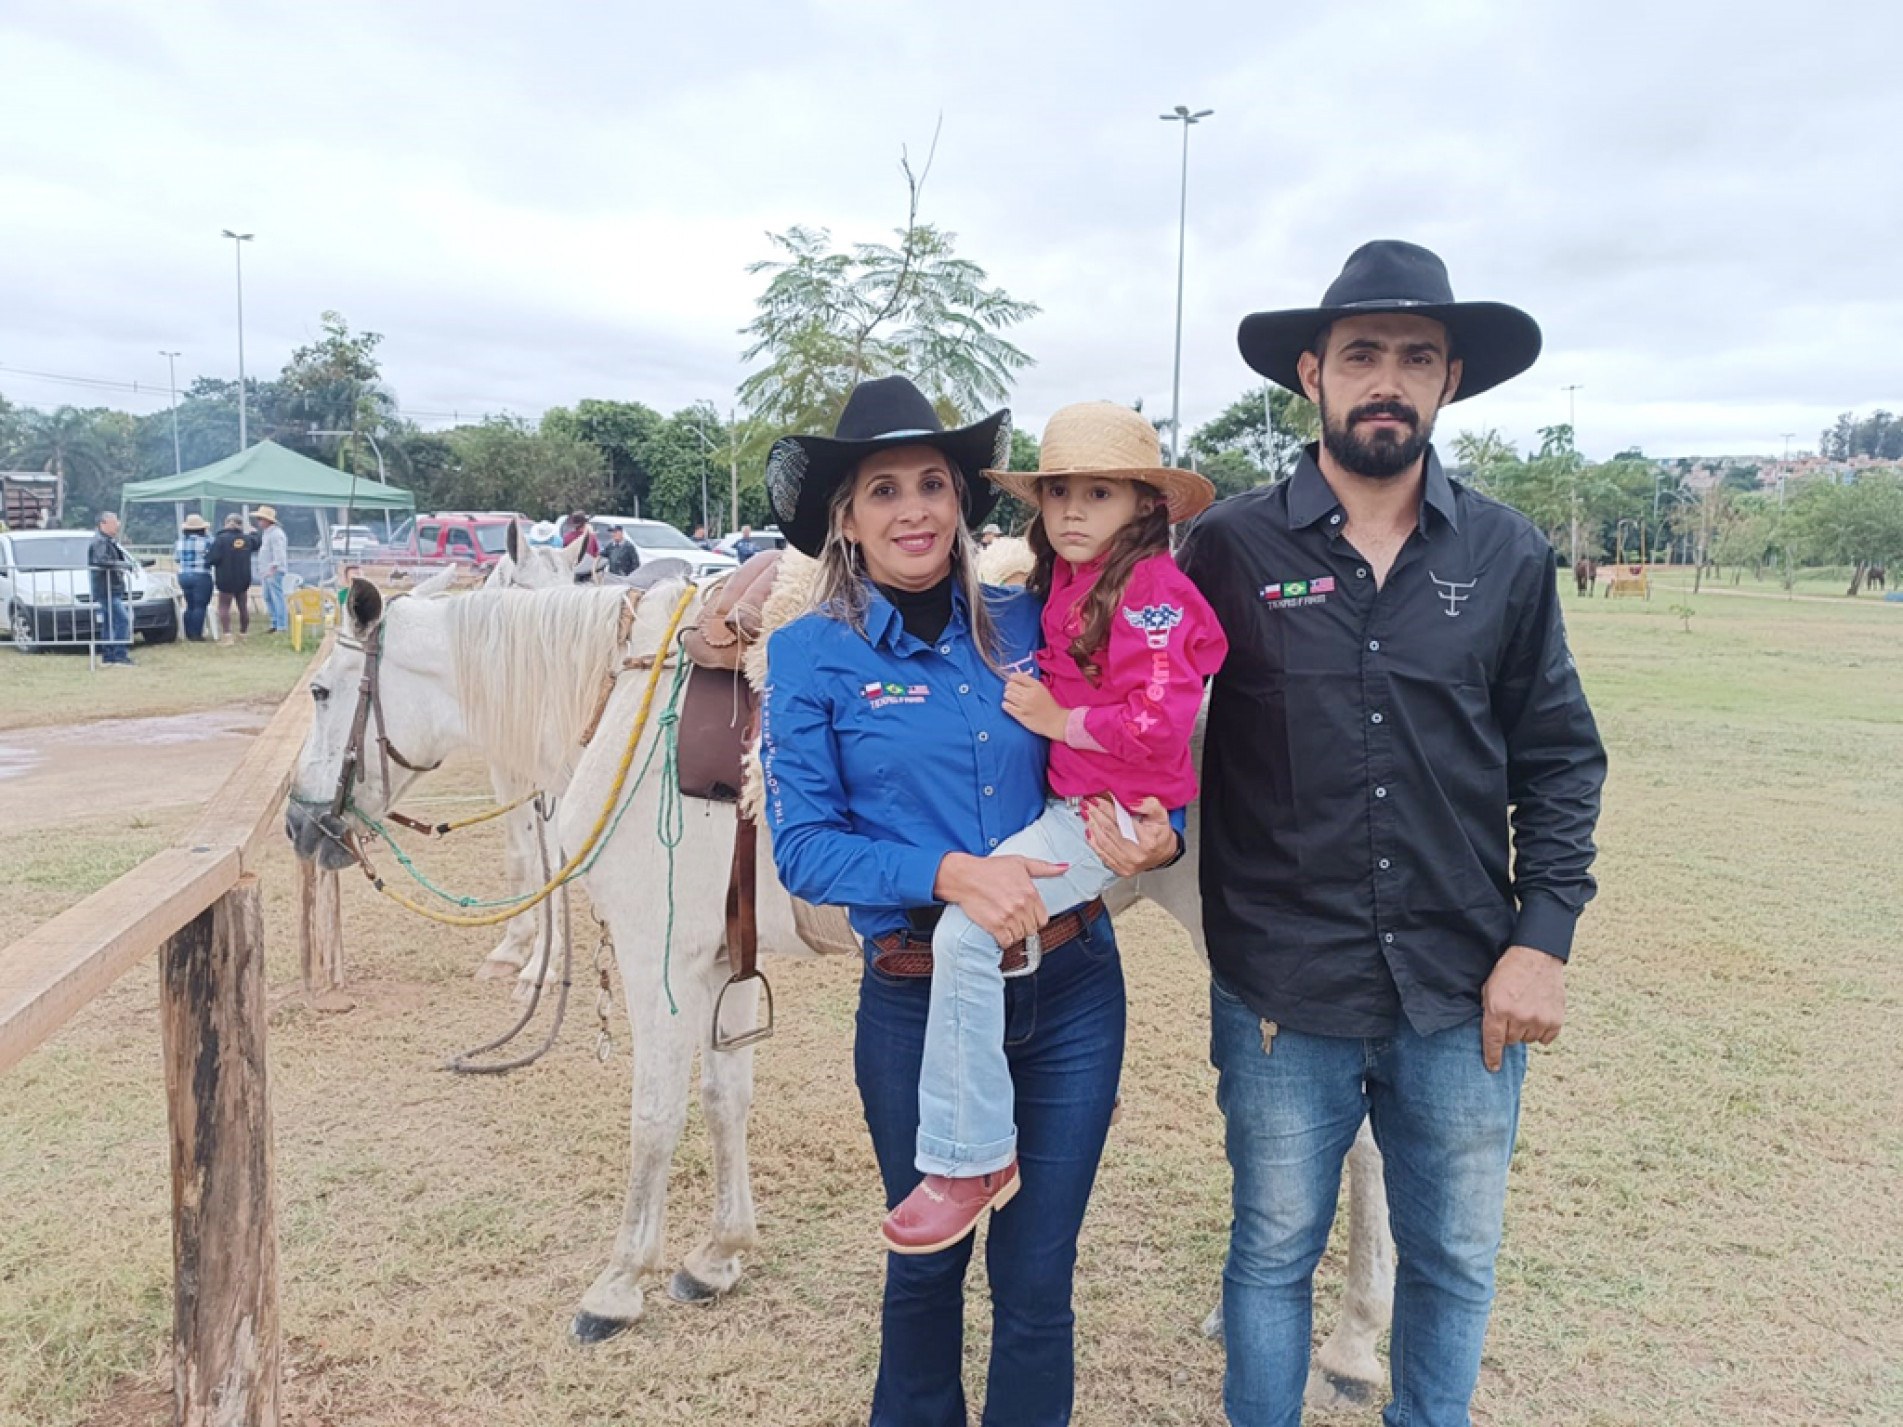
x: 1453, y: 591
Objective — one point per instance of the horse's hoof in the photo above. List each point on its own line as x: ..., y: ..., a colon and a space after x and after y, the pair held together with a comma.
x: 685, y: 1288
x: 1330, y: 1392
x: 497, y: 971
x: 591, y: 1328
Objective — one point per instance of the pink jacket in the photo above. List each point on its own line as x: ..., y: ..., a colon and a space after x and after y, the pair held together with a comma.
x: 1129, y: 734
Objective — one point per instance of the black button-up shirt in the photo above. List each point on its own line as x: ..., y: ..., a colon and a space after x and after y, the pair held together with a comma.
x: 1365, y: 747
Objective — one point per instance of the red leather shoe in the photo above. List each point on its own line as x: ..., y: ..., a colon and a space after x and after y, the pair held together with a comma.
x: 942, y: 1210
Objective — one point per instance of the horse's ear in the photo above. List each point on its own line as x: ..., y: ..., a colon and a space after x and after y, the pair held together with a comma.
x: 365, y: 605
x: 435, y: 584
x: 575, y: 549
x: 512, y: 542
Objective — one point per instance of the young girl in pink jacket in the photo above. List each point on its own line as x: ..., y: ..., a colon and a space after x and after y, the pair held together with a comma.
x: 1128, y: 645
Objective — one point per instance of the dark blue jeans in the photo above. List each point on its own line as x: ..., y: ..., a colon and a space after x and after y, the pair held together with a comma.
x: 197, y: 588
x: 1063, y: 1032
x: 115, y: 640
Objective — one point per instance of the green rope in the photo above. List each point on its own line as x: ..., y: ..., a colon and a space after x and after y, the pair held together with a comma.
x: 670, y: 826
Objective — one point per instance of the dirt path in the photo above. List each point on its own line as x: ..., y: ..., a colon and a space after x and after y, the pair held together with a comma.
x: 51, y: 775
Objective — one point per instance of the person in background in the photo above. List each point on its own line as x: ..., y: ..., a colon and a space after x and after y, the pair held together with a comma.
x: 744, y: 549
x: 700, y: 538
x: 274, y: 563
x: 621, y: 557
x: 990, y: 535
x: 194, y: 574
x: 230, y: 563
x: 577, y: 529
x: 110, y: 569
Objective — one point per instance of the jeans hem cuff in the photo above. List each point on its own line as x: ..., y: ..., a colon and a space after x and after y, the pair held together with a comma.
x: 956, y: 1161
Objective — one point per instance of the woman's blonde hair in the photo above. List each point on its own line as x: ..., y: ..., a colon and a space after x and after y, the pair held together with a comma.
x: 843, y: 590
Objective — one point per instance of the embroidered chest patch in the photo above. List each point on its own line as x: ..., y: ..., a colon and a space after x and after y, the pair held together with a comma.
x: 1293, y: 594
x: 882, y: 696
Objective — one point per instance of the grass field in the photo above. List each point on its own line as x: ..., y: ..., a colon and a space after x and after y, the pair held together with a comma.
x: 1705, y: 1223
x: 55, y: 686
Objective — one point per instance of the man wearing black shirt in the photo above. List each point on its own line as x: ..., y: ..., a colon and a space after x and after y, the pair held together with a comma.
x: 1398, y: 695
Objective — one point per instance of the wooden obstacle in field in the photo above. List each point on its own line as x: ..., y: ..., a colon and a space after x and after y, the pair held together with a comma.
x: 198, y: 905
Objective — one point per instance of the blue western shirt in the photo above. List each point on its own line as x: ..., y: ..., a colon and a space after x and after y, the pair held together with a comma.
x: 882, y: 753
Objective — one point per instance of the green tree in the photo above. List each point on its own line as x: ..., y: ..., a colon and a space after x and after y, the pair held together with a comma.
x: 77, y: 448
x: 1239, y: 447
x: 828, y: 320
x: 1858, y: 523
x: 503, y: 464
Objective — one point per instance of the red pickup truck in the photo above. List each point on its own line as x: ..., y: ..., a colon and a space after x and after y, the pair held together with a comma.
x: 476, y: 539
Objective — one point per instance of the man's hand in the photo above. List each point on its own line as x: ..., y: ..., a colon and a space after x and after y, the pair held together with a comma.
x: 996, y: 892
x: 1156, y: 839
x: 1030, y: 703
x: 1524, y: 1000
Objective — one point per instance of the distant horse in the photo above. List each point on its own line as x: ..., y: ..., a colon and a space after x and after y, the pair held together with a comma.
x: 1585, y: 573
x: 1874, y: 577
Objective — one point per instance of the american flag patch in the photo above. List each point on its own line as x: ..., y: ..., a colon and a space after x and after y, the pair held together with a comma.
x: 1324, y: 586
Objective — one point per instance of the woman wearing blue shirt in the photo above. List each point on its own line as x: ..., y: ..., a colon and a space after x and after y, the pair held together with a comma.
x: 891, y: 770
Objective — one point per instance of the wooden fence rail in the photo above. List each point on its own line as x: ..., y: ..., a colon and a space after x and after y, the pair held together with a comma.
x: 198, y: 905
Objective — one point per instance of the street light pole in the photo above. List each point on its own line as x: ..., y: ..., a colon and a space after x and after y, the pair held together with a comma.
x: 1572, y: 431
x: 238, y: 240
x: 1187, y: 119
x: 171, y: 365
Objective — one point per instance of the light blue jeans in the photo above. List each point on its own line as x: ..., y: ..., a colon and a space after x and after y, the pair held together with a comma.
x: 966, y: 1114
x: 274, y: 607
x: 1445, y: 1125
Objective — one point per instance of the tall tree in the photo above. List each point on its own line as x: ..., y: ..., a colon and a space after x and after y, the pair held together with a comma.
x: 828, y: 320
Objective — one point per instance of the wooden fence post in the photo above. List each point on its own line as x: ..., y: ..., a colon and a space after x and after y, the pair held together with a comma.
x: 225, y: 1348
x: 320, y: 929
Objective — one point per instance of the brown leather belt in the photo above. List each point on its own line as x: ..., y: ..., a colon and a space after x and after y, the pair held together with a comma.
x: 906, y: 953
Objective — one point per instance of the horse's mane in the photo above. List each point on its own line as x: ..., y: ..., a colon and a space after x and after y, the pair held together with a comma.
x: 530, y: 666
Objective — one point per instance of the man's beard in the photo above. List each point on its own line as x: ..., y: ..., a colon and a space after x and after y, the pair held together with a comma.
x: 1382, y: 454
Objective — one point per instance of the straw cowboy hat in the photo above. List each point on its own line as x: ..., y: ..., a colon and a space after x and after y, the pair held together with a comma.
x: 1492, y: 340
x: 265, y: 512
x: 194, y: 524
x: 802, y: 472
x: 1108, y: 442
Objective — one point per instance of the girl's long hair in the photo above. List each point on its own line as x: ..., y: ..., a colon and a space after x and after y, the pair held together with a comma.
x: 844, y: 589
x: 1147, y: 534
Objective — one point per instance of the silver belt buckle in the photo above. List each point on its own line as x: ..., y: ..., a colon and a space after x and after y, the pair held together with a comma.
x: 1033, y: 955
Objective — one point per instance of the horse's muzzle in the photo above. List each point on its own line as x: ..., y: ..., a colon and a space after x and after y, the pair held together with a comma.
x: 320, y: 836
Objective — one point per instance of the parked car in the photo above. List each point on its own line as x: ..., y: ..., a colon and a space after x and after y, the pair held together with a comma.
x: 351, y: 542
x: 476, y: 538
x: 657, y: 540
x: 46, y: 592
x: 767, y: 537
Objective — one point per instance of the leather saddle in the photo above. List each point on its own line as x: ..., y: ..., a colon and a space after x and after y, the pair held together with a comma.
x: 719, y: 713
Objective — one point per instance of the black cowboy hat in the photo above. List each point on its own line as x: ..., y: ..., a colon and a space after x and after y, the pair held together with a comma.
x: 803, y: 471
x: 1492, y: 340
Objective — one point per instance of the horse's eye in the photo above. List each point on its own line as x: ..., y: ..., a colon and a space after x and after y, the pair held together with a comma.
x: 319, y: 692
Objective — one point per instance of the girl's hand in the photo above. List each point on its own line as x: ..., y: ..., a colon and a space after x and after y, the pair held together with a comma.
x: 996, y: 892
x: 1030, y: 703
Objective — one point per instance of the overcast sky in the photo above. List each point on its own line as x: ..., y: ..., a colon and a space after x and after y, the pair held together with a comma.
x: 538, y: 203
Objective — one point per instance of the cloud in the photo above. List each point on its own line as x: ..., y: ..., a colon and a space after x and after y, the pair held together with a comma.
x: 541, y: 204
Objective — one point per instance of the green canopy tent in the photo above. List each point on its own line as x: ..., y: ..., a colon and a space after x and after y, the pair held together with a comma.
x: 268, y: 474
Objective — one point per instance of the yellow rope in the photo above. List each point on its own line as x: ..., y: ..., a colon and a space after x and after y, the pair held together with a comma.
x: 445, y: 829
x: 568, y: 869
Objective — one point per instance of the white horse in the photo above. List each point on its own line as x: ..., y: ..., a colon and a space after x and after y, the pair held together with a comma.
x: 515, y: 677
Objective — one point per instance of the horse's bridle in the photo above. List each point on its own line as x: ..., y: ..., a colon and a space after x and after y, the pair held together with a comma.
x: 369, y: 704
